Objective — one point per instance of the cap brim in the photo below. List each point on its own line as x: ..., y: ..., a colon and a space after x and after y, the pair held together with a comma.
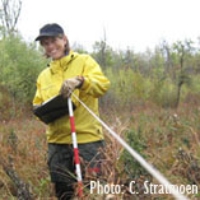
x: 45, y: 35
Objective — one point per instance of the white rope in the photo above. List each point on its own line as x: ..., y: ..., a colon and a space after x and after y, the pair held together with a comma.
x: 155, y: 173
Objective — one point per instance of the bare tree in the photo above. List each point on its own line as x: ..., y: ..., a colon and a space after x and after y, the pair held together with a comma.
x: 101, y: 48
x: 9, y: 15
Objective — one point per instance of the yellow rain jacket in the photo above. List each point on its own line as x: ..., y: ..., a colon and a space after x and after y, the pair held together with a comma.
x: 95, y: 85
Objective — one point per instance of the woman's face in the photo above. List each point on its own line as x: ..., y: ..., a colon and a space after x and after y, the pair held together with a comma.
x: 54, y: 46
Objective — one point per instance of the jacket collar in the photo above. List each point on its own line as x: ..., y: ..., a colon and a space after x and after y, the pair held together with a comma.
x: 62, y: 64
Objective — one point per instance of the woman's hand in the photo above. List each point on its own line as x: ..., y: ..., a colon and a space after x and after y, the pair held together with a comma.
x: 70, y: 85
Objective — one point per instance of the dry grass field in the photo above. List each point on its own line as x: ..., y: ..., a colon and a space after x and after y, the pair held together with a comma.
x: 168, y: 139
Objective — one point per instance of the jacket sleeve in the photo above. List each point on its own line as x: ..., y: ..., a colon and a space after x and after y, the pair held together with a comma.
x: 37, y: 100
x: 95, y: 82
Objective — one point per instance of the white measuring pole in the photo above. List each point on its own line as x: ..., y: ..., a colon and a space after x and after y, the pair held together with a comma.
x: 76, y: 151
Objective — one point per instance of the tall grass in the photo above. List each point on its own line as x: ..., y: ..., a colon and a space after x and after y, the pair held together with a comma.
x: 169, y: 139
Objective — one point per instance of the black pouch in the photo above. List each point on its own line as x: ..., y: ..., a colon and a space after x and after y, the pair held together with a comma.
x: 53, y: 109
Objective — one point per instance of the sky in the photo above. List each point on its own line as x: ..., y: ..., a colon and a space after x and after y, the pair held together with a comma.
x: 134, y: 24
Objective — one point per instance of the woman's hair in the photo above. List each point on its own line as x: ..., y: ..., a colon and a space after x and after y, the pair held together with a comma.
x: 67, y: 46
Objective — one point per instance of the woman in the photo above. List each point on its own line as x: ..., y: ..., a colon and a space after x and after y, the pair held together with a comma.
x: 78, y: 73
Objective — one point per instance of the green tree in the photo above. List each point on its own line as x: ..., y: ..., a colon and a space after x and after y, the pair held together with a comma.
x: 184, y: 51
x: 20, y: 64
x: 102, y: 52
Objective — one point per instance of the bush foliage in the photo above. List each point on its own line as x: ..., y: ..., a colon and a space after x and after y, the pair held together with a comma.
x: 20, y: 64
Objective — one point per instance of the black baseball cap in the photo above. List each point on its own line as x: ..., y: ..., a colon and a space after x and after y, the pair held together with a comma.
x: 50, y: 30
